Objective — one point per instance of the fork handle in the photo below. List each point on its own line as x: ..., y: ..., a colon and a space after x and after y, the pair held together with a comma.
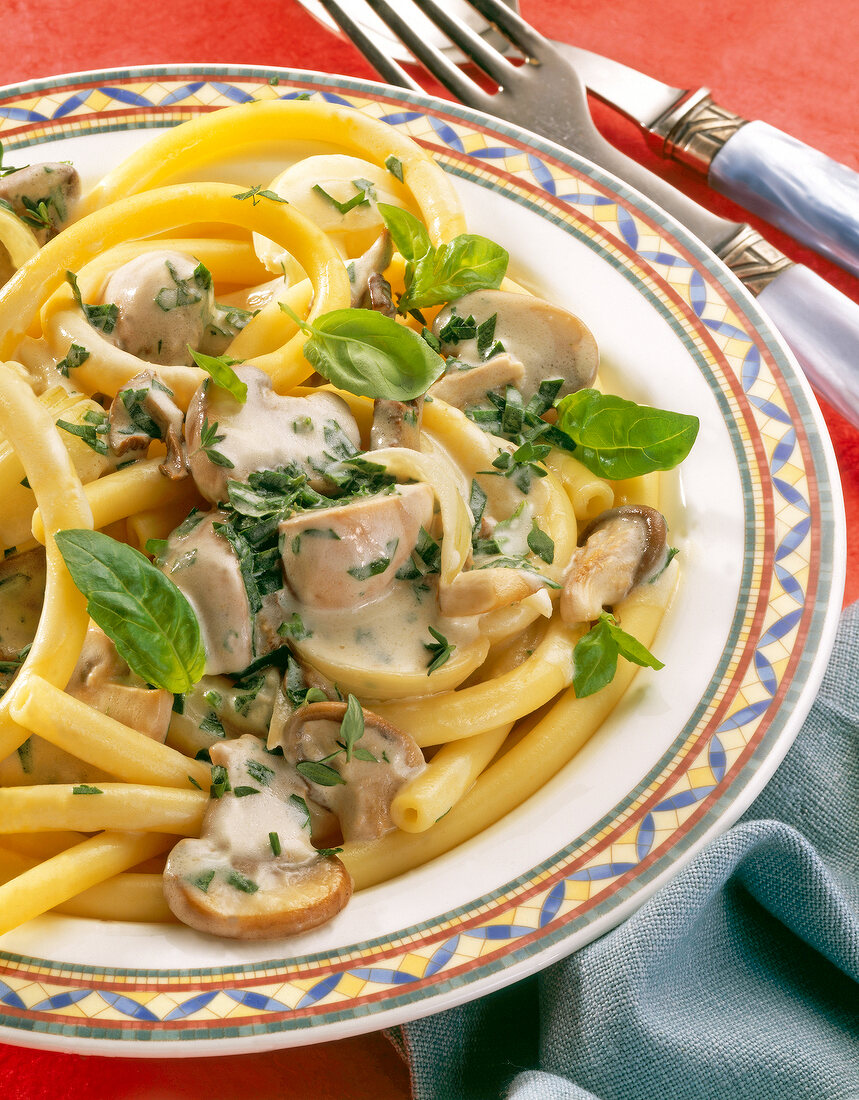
x: 821, y: 327
x: 807, y: 194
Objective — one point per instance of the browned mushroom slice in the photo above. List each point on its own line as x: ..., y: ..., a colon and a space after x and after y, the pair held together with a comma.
x: 464, y: 385
x: 476, y: 591
x: 55, y: 184
x: 102, y: 679
x: 349, y: 555
x: 144, y: 410
x: 201, y: 563
x: 253, y: 873
x: 396, y: 424
x: 227, y: 441
x: 366, y: 276
x: 621, y: 548
x: 359, y: 784
x: 549, y: 342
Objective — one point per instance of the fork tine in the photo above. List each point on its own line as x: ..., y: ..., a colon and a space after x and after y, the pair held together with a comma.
x: 389, y: 70
x: 513, y: 26
x: 496, y: 67
x: 444, y: 71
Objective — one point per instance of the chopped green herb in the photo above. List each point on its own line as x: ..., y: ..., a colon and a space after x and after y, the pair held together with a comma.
x: 220, y: 781
x: 541, y: 544
x: 262, y: 773
x: 243, y: 792
x: 352, y: 726
x: 440, y: 649
x: 203, y: 881
x: 294, y: 628
x: 103, y: 317
x: 316, y: 772
x: 326, y: 853
x: 76, y: 356
x: 374, y: 568
x: 274, y: 841
x: 85, y: 788
x: 208, y: 438
x: 395, y: 167
x: 238, y: 880
x: 359, y: 199
x: 302, y: 806
x: 257, y: 193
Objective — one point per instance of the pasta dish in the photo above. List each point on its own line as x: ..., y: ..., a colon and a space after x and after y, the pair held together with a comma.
x: 323, y: 546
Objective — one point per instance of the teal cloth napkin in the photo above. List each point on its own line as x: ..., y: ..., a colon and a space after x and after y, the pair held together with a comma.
x: 739, y: 980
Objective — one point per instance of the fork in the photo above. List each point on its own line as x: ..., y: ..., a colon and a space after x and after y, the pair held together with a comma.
x: 545, y: 95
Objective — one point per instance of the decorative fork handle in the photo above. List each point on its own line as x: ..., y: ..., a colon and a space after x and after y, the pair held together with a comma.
x: 807, y: 194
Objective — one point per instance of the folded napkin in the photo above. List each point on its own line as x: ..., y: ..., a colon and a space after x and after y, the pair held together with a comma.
x: 739, y: 980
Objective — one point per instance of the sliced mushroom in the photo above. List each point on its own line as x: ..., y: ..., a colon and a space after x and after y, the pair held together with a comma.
x: 227, y: 441
x: 476, y: 591
x: 102, y: 679
x: 366, y: 276
x: 396, y: 424
x: 349, y: 555
x: 361, y: 789
x: 55, y: 184
x: 164, y: 301
x: 549, y: 342
x: 464, y: 385
x: 201, y: 563
x: 22, y: 591
x: 621, y: 548
x: 253, y: 873
x: 144, y: 410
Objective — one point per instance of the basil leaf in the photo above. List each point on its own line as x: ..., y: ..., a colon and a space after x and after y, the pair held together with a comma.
x: 596, y: 655
x: 618, y: 439
x: 466, y: 263
x: 220, y: 367
x: 152, y: 625
x: 369, y: 354
x: 408, y: 233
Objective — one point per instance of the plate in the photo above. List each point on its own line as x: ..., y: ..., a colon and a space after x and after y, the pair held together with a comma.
x: 756, y: 512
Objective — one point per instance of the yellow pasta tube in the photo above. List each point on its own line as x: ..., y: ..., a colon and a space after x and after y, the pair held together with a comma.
x: 525, y: 769
x: 589, y: 495
x: 425, y: 799
x: 234, y: 130
x: 68, y: 873
x: 125, y: 492
x: 99, y: 739
x: 506, y: 698
x: 28, y: 426
x: 131, y: 896
x: 19, y: 241
x: 161, y: 211
x: 124, y: 806
x: 644, y: 489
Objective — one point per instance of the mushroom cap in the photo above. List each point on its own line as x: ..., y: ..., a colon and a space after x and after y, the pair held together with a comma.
x: 621, y: 548
x: 550, y: 342
x: 292, y: 900
x: 362, y: 802
x: 156, y: 333
x: 261, y: 434
x: 334, y: 557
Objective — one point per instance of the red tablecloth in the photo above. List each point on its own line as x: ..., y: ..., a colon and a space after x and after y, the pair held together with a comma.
x: 783, y: 62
